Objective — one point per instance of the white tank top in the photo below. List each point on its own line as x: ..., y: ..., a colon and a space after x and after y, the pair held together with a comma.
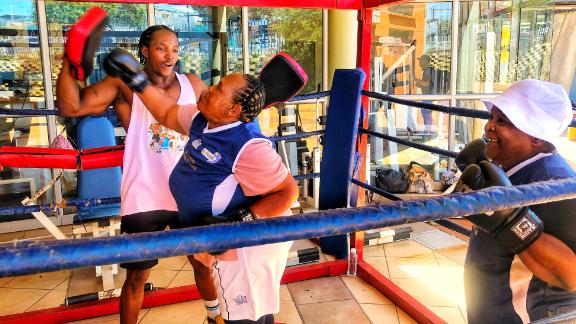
x: 151, y: 152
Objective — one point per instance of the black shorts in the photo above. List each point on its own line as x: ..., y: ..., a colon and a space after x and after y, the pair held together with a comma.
x: 152, y: 221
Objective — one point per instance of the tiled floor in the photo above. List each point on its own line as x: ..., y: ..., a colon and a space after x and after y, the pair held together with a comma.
x: 428, y: 266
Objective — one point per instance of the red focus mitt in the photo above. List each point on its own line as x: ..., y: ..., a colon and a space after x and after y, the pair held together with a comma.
x: 82, y: 41
x: 283, y: 78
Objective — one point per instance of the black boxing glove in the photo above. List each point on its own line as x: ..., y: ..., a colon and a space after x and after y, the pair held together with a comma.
x: 119, y: 63
x: 514, y: 228
x: 240, y: 215
x: 472, y: 153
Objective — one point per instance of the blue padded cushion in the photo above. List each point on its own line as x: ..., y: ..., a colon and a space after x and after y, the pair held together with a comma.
x: 339, y: 147
x: 98, y: 183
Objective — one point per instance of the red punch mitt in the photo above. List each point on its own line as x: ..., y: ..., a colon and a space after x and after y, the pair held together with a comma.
x: 283, y: 78
x: 82, y: 41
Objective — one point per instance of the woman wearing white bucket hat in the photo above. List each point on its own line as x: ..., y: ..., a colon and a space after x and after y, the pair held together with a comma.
x: 539, y: 280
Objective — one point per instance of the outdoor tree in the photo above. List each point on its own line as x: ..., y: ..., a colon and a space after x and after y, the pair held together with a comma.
x: 129, y: 16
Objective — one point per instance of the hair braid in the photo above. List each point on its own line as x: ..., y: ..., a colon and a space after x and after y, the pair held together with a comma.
x: 146, y: 38
x: 250, y: 98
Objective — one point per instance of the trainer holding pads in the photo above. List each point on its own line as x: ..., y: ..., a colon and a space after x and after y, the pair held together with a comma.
x: 151, y: 150
x: 520, y: 262
x: 227, y: 165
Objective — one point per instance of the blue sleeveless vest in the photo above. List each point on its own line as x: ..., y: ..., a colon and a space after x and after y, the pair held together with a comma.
x: 203, y: 182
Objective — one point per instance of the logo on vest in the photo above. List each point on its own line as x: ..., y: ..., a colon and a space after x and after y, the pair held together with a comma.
x: 196, y: 143
x: 239, y: 300
x: 211, y: 157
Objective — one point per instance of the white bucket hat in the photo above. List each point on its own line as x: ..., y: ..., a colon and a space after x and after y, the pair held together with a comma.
x: 538, y: 108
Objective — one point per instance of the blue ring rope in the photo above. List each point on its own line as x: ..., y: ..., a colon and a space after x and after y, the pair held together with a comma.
x: 90, y: 202
x: 315, y: 95
x: 306, y: 176
x: 111, y: 112
x: 464, y: 112
x: 25, y: 257
x: 379, y: 191
x: 292, y: 137
x: 371, y: 94
x: 422, y: 147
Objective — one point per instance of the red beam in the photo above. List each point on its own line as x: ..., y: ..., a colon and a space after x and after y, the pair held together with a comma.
x: 364, y: 49
x: 313, y: 271
x: 324, y: 4
x: 399, y: 297
x: 377, y: 3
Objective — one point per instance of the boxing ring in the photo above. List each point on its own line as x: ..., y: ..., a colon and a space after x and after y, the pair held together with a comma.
x: 341, y: 181
x: 331, y: 223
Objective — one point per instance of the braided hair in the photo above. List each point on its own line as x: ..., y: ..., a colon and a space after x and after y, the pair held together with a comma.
x: 250, y: 98
x: 146, y: 38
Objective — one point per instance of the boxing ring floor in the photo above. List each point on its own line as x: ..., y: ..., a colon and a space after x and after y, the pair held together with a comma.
x: 428, y: 266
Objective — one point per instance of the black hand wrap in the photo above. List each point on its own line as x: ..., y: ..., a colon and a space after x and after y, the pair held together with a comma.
x: 521, y: 230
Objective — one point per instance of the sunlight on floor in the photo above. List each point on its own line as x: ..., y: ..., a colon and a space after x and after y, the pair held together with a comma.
x: 444, y: 280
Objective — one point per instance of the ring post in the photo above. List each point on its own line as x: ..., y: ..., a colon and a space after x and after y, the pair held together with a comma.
x: 338, y: 153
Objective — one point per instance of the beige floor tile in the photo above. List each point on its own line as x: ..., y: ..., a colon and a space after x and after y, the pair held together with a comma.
x: 5, y: 280
x: 409, y: 267
x: 14, y: 301
x: 64, y: 284
x: 183, y: 278
x: 47, y: 280
x: 381, y: 314
x: 44, y: 233
x: 444, y: 261
x: 416, y: 227
x: 187, y: 267
x: 427, y: 295
x: 380, y: 264
x: 173, y: 263
x: 285, y: 293
x: 438, y: 240
x: 288, y: 313
x: 319, y: 290
x: 161, y: 278
x: 83, y: 281
x: 456, y: 253
x: 363, y: 292
x: 302, y: 244
x: 192, y: 312
x: 118, y: 278
x: 37, y: 233
x: 52, y: 299
x: 407, y: 249
x: 404, y: 318
x: 334, y: 312
x: 5, y: 237
x: 420, y: 227
x: 451, y: 315
x: 374, y: 251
